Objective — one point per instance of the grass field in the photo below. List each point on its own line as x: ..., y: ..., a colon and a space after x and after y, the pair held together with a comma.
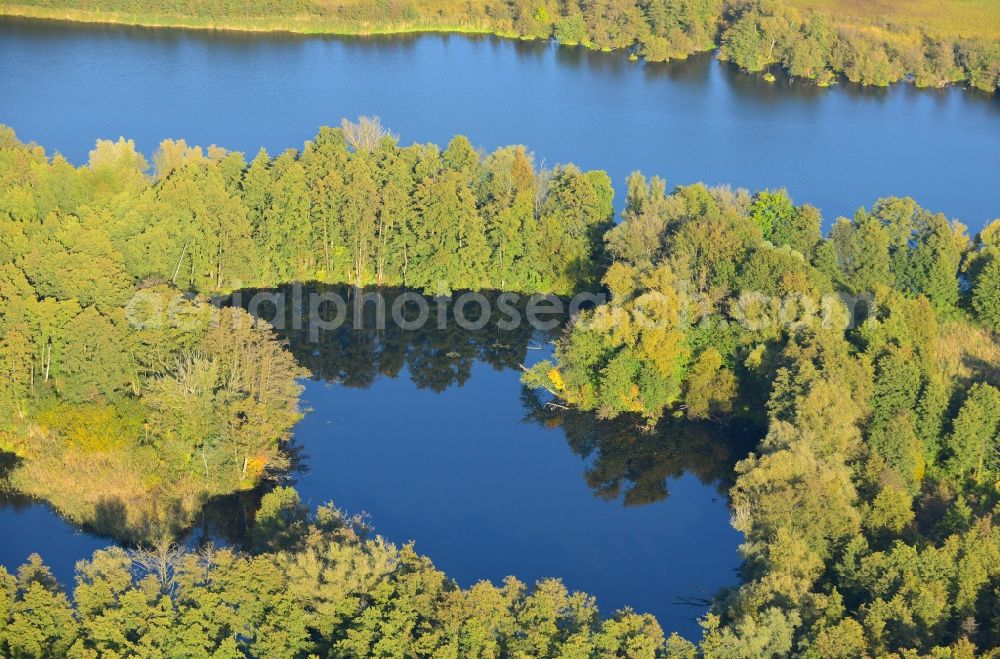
x: 428, y: 20
x: 944, y: 18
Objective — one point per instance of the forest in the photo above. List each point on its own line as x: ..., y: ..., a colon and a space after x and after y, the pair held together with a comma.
x: 866, y: 505
x: 867, y: 508
x: 956, y: 42
x: 199, y: 408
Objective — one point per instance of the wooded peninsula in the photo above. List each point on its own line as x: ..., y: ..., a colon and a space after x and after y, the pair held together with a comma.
x: 867, y: 508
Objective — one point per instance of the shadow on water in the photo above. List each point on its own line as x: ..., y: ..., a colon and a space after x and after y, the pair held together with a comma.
x: 622, y: 459
x: 32, y: 525
x: 626, y: 462
x: 695, y: 69
x: 437, y: 355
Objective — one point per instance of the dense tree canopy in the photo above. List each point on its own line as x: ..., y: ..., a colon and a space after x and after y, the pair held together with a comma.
x: 199, y: 405
x: 869, y: 356
x: 868, y: 507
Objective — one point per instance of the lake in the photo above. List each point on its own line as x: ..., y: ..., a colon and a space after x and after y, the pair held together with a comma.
x: 66, y: 85
x: 431, y: 434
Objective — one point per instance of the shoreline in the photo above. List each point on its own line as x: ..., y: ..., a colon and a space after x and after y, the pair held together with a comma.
x: 306, y: 26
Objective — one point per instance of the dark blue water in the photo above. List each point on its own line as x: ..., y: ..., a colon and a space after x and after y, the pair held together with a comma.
x: 840, y: 148
x: 486, y: 496
x: 30, y: 527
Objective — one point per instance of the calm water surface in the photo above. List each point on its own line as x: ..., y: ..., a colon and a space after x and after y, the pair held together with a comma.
x: 486, y: 496
x: 31, y: 527
x: 431, y: 434
x: 840, y: 148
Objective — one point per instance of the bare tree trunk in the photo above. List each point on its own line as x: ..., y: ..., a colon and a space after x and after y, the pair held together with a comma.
x: 406, y: 263
x: 326, y: 246
x: 218, y: 265
x: 180, y: 259
x: 379, y: 257
x: 503, y: 275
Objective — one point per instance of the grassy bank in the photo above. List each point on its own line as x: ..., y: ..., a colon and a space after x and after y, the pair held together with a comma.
x: 950, y: 19
x: 302, y: 24
x: 944, y: 19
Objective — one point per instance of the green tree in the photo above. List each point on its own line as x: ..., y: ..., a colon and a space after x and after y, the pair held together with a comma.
x: 711, y: 388
x: 986, y: 294
x: 359, y: 217
x: 41, y: 622
x: 571, y: 29
x: 975, y: 439
x: 862, y: 249
x: 757, y: 38
x: 280, y: 522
